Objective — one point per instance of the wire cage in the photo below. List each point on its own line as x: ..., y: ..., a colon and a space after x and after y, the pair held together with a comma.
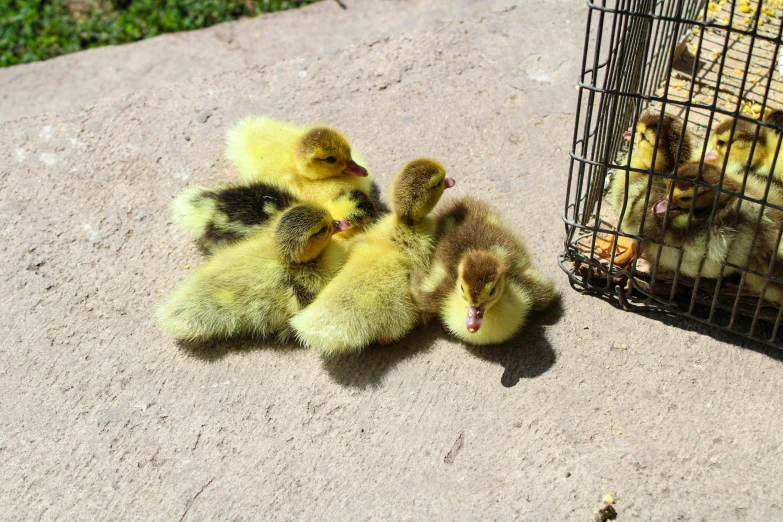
x: 675, y: 192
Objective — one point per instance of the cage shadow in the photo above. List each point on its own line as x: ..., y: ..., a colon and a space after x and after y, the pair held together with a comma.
x: 529, y: 354
x: 675, y: 319
x: 725, y: 336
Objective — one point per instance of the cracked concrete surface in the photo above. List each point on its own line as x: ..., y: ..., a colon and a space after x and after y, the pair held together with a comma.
x: 104, y: 417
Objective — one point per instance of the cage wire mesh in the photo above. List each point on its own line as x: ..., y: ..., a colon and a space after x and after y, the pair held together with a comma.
x: 684, y: 215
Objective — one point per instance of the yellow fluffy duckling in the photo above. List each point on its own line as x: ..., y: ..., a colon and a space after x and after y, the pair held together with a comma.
x: 370, y: 299
x: 480, y: 283
x: 667, y: 153
x: 315, y: 163
x: 738, y: 147
x: 225, y: 214
x: 727, y: 240
x: 253, y: 287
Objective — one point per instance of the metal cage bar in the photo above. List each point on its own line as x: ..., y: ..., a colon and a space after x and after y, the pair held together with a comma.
x: 701, y: 64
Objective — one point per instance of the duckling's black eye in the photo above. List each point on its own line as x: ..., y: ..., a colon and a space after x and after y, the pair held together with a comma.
x: 331, y: 159
x: 323, y: 229
x: 494, y: 289
x: 462, y: 288
x: 721, y: 143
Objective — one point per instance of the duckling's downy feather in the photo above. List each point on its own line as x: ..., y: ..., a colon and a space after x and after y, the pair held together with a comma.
x: 672, y: 131
x: 226, y: 214
x: 468, y: 226
x: 264, y: 149
x: 741, y: 233
x: 501, y: 322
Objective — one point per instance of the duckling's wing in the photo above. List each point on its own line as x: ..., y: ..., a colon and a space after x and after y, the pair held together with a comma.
x: 240, y: 291
x: 430, y: 287
x: 193, y: 209
x: 539, y: 287
x: 368, y: 300
x: 226, y: 214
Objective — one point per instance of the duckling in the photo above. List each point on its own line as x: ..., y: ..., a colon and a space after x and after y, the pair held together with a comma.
x: 708, y: 245
x: 370, y: 299
x: 645, y: 143
x: 226, y: 214
x: 355, y: 207
x: 667, y: 154
x: 315, y: 163
x: 480, y: 282
x: 738, y: 148
x: 253, y: 287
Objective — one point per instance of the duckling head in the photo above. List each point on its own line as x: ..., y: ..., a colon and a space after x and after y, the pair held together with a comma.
x: 686, y: 193
x: 481, y: 280
x: 354, y: 206
x: 304, y: 231
x: 738, y: 145
x: 324, y: 153
x: 417, y: 188
x: 668, y: 142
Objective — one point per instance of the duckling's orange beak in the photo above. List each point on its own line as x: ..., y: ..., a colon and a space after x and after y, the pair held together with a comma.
x: 474, y: 318
x: 354, y: 169
x: 711, y: 156
x: 340, y: 225
x: 450, y: 182
x: 627, y: 135
x: 663, y: 205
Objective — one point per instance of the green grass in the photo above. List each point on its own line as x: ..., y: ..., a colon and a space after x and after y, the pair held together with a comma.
x: 33, y: 30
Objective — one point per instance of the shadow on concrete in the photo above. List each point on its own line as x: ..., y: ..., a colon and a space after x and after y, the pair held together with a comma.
x: 671, y: 318
x: 686, y: 65
x: 526, y: 356
x: 216, y: 350
x: 367, y: 369
x: 724, y: 336
x: 529, y: 354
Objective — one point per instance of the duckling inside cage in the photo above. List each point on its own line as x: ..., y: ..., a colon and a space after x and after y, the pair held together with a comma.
x: 675, y: 192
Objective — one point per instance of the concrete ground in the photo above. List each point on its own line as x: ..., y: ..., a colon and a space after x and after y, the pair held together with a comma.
x: 103, y: 417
